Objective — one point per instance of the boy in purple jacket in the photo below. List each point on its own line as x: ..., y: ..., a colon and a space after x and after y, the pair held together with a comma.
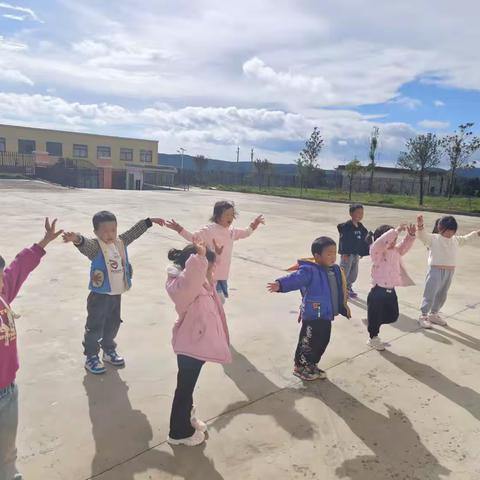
x: 11, y: 279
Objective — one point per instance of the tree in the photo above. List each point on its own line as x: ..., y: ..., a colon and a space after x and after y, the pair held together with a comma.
x: 263, y: 169
x: 459, y: 147
x: 200, y: 164
x: 307, y: 163
x: 352, y: 169
x: 423, y: 152
x: 371, y: 155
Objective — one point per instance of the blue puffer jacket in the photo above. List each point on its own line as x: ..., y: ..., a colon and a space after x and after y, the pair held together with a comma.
x: 312, y: 280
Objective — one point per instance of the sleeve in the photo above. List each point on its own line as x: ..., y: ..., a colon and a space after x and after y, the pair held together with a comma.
x: 425, y: 237
x: 296, y: 280
x: 136, y: 231
x: 241, y: 233
x: 406, y: 244
x: 184, y: 288
x: 18, y: 271
x: 381, y: 243
x: 189, y: 236
x: 88, y: 247
x: 340, y: 228
x: 469, y: 238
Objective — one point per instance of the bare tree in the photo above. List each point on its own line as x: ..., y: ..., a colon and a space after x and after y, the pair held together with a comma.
x: 352, y: 169
x: 371, y: 155
x: 459, y: 147
x: 263, y: 168
x: 423, y: 152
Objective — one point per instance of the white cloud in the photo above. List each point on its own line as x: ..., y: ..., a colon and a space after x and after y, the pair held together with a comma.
x: 439, y: 103
x: 407, y: 102
x: 28, y: 11
x: 14, y: 76
x: 18, y: 18
x: 433, y: 124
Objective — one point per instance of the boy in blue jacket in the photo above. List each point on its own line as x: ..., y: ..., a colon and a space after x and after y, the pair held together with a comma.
x: 324, y: 295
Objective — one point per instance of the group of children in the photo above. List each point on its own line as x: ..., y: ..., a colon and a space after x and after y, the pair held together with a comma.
x: 197, y: 283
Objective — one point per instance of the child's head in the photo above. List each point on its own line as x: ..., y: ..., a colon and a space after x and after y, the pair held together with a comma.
x: 2, y: 266
x: 446, y: 226
x: 180, y: 257
x: 224, y: 213
x: 356, y: 212
x: 105, y: 226
x: 324, y: 249
x: 380, y: 231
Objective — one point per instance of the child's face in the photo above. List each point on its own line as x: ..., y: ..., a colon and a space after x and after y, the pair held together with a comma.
x: 227, y: 218
x: 448, y: 233
x: 357, y: 215
x: 107, y: 232
x: 328, y: 256
x: 1, y: 279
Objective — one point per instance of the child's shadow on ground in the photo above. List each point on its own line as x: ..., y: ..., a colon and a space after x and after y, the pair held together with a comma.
x: 397, y: 449
x: 123, y: 434
x: 256, y: 387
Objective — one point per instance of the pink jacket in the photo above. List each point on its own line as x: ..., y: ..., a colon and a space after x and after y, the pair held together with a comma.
x: 224, y: 237
x: 13, y: 277
x: 387, y: 266
x: 201, y: 330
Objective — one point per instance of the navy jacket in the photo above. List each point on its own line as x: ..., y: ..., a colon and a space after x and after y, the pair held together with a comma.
x: 353, y: 240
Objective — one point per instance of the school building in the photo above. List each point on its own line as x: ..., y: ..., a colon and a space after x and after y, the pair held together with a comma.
x: 83, y: 159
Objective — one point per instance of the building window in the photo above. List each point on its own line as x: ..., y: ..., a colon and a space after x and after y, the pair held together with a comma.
x: 104, y: 152
x: 146, y: 156
x: 80, y: 151
x: 126, y: 154
x: 3, y: 145
x: 55, y: 149
x: 26, y: 146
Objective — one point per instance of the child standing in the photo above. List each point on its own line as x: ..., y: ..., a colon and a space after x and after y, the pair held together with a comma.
x: 110, y: 277
x: 324, y: 296
x: 352, y: 245
x: 200, y: 334
x: 221, y: 231
x: 443, y: 245
x: 11, y: 280
x: 388, y: 272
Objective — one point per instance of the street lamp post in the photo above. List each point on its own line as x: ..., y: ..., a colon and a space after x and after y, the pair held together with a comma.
x: 181, y: 150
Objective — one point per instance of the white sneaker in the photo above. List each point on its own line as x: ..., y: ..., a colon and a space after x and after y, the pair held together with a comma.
x: 197, y: 424
x: 424, y: 321
x: 196, y: 439
x: 437, y: 319
x: 376, y: 343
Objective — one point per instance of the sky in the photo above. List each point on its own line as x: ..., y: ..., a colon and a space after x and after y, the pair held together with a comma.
x: 211, y: 75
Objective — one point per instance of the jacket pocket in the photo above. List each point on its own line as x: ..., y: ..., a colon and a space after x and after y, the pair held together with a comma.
x: 312, y: 309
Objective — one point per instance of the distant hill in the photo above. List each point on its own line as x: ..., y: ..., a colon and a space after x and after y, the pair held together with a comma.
x: 469, y: 173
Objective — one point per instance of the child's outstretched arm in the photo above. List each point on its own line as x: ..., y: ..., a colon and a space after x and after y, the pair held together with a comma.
x: 407, y: 243
x: 469, y: 238
x: 188, y: 236
x: 139, y: 229
x: 26, y: 261
x: 86, y: 246
x: 423, y: 235
x: 382, y: 243
x: 295, y: 281
x: 241, y: 233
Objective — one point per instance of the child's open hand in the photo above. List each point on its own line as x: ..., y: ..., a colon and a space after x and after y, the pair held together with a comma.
x: 201, y: 248
x: 50, y: 233
x: 411, y: 229
x: 158, y: 221
x: 401, y: 228
x: 273, y: 287
x: 173, y: 225
x: 259, y: 220
x: 218, y: 248
x: 420, y: 221
x: 70, y: 237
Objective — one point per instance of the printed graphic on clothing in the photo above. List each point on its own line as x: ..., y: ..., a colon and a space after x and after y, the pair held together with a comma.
x: 305, y: 347
x: 115, y: 266
x: 98, y: 278
x: 8, y: 332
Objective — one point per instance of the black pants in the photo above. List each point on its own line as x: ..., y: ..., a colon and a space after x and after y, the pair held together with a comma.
x: 188, y: 372
x: 103, y: 323
x: 382, y: 308
x: 312, y: 342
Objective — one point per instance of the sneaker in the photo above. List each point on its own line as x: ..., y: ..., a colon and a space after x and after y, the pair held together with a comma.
x: 437, y: 319
x: 197, y: 424
x: 352, y: 294
x: 197, y: 438
x: 304, y: 373
x: 94, y: 365
x: 113, y: 358
x: 424, y: 321
x: 321, y: 374
x: 376, y: 343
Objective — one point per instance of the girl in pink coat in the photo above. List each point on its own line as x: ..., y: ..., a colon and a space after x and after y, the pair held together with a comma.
x: 388, y: 272
x: 200, y: 334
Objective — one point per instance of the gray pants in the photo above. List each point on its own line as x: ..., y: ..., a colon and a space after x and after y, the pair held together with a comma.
x: 436, y: 288
x: 349, y: 264
x: 103, y: 323
x: 8, y: 432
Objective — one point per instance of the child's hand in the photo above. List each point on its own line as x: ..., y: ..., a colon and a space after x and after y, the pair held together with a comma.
x: 50, y: 233
x: 420, y: 222
x: 70, y: 237
x: 401, y: 228
x: 218, y: 248
x: 158, y: 221
x: 259, y: 220
x: 201, y: 248
x: 273, y: 287
x: 173, y: 225
x: 411, y: 229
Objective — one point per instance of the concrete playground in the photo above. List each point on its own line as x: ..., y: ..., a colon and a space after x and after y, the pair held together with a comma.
x: 410, y: 413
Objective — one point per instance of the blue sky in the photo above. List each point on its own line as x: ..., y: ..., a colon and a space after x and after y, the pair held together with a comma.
x: 211, y: 75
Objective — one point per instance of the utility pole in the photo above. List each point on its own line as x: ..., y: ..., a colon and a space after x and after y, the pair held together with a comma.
x: 251, y: 155
x: 181, y: 151
x: 238, y: 154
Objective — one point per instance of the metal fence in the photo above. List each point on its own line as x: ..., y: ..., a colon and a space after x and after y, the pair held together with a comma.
x: 20, y: 163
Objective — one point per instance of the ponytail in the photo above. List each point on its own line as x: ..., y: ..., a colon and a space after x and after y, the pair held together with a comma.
x: 180, y: 257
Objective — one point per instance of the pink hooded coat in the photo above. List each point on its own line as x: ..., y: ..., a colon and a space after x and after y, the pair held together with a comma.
x: 201, y: 330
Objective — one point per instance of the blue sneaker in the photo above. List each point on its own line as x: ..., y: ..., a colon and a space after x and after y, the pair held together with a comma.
x: 94, y: 365
x: 113, y: 358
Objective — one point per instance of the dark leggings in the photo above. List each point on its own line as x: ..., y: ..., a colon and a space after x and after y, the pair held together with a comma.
x: 312, y: 342
x: 382, y: 304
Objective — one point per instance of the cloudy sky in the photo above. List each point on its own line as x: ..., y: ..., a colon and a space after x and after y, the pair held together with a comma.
x: 209, y: 75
